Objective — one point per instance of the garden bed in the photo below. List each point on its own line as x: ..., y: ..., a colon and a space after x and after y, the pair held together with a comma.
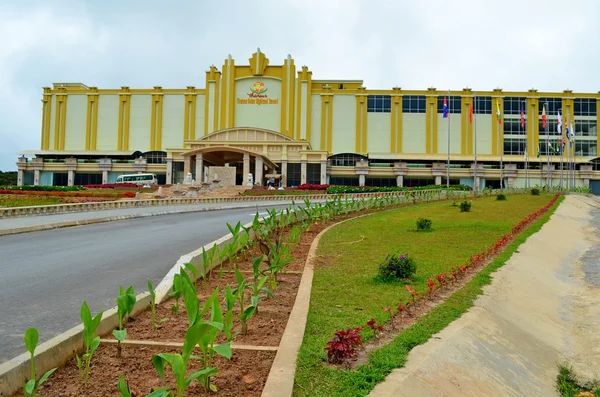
x: 253, y: 354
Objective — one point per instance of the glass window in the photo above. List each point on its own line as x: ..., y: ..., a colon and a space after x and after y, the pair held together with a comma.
x: 512, y: 126
x: 454, y: 104
x: 379, y: 103
x: 551, y: 125
x: 514, y: 146
x: 513, y: 105
x: 586, y: 147
x: 553, y: 105
x: 313, y: 174
x: 380, y: 181
x: 345, y: 159
x: 344, y: 180
x: 413, y: 104
x: 483, y: 105
x: 585, y: 107
x: 293, y: 174
x: 586, y: 128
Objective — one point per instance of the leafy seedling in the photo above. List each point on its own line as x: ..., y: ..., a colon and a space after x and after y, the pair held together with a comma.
x: 31, y: 340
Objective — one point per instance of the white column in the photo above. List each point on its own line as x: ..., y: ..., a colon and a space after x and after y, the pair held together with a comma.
x: 361, y: 180
x: 199, y: 168
x: 284, y: 173
x: 36, y: 177
x: 187, y: 166
x: 302, y: 172
x: 400, y: 180
x: 169, y: 180
x: 246, y: 170
x: 20, y: 178
x: 323, y: 172
x: 104, y: 177
x: 438, y: 180
x: 71, y: 178
x: 258, y: 177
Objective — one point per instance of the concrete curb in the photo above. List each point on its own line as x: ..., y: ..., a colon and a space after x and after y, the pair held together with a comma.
x: 280, y: 382
x: 59, y: 225
x: 58, y: 350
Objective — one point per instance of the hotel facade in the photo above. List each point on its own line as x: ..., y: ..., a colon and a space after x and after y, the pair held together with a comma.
x: 277, y: 120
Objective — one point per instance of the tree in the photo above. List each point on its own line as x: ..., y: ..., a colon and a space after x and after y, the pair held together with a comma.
x: 8, y: 178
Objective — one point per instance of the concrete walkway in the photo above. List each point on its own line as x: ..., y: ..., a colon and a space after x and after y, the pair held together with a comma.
x: 44, y: 222
x: 541, y: 309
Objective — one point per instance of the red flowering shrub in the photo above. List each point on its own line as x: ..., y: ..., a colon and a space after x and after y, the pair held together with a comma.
x: 377, y: 328
x: 431, y: 286
x: 343, y: 345
x: 129, y: 194
x: 306, y: 186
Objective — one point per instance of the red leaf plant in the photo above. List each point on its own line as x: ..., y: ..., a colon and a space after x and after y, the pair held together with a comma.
x: 431, y: 285
x: 401, y: 310
x: 441, y: 278
x: 377, y: 328
x: 388, y: 310
x: 343, y: 345
x: 414, y: 294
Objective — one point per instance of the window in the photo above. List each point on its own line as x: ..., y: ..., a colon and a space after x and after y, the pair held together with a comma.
x: 380, y: 181
x: 514, y: 146
x: 293, y: 174
x: 512, y: 126
x: 156, y: 157
x: 586, y: 128
x: 483, y: 105
x: 585, y: 107
x: 551, y: 125
x: 379, y: 104
x: 344, y: 180
x: 411, y: 182
x: 513, y: 105
x: 453, y: 104
x: 313, y: 174
x: 553, y: 105
x: 345, y: 159
x: 413, y: 104
x: 584, y: 147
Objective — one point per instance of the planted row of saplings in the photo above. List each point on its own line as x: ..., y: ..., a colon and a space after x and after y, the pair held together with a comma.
x: 201, y: 332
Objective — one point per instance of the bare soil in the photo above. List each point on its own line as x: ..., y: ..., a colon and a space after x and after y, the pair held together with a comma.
x: 244, y: 375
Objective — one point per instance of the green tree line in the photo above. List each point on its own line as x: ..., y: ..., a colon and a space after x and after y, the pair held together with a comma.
x: 8, y: 178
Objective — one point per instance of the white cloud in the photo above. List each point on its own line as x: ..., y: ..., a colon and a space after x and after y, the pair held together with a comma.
x: 515, y: 45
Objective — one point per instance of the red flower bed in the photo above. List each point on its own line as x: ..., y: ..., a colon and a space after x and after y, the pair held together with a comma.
x: 340, y: 349
x: 306, y: 186
x: 66, y: 194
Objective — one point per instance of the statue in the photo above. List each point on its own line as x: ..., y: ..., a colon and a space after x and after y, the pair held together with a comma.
x: 250, y: 180
x: 216, y: 177
x: 188, y: 178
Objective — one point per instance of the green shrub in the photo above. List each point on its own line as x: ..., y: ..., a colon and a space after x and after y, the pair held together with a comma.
x: 424, y: 224
x: 383, y: 189
x: 535, y: 191
x: 465, y: 206
x: 397, y: 267
x: 501, y: 197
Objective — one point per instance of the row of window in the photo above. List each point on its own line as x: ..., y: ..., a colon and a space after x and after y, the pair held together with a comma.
x: 519, y: 146
x: 482, y: 105
x: 513, y: 126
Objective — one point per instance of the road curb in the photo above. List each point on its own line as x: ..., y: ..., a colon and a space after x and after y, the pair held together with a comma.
x: 280, y: 382
x: 60, y: 225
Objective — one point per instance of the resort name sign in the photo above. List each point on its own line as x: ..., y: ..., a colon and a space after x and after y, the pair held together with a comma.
x: 258, y: 96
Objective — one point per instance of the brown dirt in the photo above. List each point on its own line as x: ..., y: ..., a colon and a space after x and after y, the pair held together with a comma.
x: 244, y: 375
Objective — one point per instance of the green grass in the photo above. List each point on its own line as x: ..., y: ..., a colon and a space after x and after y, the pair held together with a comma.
x: 567, y: 386
x: 25, y: 202
x: 345, y: 294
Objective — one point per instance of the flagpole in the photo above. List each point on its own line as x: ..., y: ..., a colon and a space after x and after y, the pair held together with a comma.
x: 548, y: 176
x: 526, y: 146
x: 448, y: 161
x: 475, y: 181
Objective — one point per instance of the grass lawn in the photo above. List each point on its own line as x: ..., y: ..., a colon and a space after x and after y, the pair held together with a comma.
x: 16, y: 201
x: 345, y: 293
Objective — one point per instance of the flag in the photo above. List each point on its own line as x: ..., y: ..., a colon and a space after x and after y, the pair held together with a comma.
x: 572, y: 137
x: 559, y: 123
x: 568, y: 133
x: 544, y: 116
x: 538, y: 155
x: 551, y: 148
x: 471, y: 111
x: 498, y: 112
x: 445, y: 108
x: 522, y: 117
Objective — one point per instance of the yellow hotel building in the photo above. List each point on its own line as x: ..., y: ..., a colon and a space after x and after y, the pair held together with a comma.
x: 263, y: 119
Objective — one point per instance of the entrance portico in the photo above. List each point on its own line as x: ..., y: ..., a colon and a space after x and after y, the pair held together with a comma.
x: 241, y: 162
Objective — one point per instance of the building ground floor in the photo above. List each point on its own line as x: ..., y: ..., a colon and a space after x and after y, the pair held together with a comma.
x: 250, y: 156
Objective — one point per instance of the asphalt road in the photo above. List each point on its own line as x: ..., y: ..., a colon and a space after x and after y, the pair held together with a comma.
x: 45, y: 276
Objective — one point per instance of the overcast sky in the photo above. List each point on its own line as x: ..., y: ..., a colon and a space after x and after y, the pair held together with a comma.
x: 512, y: 44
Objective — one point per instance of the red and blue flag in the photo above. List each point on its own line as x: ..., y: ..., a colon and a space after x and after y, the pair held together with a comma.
x: 445, y: 108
